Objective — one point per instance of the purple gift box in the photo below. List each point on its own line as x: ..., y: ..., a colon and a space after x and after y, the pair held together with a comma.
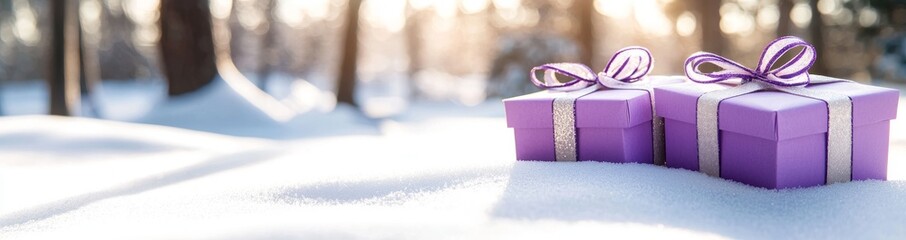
x: 775, y: 139
x: 588, y: 116
x: 612, y: 126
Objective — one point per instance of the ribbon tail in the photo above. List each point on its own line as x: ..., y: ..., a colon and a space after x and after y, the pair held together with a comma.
x: 819, y: 79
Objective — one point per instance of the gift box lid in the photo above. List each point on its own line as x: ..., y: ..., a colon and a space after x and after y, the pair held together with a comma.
x: 776, y: 115
x: 606, y: 108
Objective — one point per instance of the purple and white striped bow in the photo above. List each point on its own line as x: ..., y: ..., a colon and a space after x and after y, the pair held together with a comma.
x: 792, y: 73
x: 627, y: 65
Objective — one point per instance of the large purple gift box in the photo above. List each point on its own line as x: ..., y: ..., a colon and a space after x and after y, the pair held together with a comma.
x: 774, y: 139
x: 612, y: 125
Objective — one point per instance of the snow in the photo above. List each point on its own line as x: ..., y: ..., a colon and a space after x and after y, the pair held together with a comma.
x: 438, y: 171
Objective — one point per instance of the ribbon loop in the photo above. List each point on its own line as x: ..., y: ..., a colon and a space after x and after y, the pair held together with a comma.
x: 629, y: 64
x: 581, y: 76
x: 730, y: 68
x: 792, y: 73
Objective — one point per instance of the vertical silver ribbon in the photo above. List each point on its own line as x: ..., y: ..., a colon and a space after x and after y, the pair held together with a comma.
x: 791, y: 77
x: 707, y: 125
x: 565, y: 146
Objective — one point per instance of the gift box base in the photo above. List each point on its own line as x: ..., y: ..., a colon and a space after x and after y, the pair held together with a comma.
x: 618, y: 145
x: 797, y: 162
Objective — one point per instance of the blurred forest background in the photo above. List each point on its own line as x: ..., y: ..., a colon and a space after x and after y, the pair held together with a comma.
x: 381, y: 55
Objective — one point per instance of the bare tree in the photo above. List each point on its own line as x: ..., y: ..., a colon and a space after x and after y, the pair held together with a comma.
x: 816, y: 35
x: 119, y: 56
x: 268, y: 56
x: 63, y: 67
x: 346, y: 78
x: 413, y: 33
x: 90, y: 74
x: 187, y: 46
x: 585, y: 34
x: 784, y: 22
x: 5, y: 64
x: 712, y: 37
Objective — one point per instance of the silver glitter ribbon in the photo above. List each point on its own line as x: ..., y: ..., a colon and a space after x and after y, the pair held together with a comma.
x: 792, y: 78
x: 708, y: 131
x: 565, y: 146
x: 625, y: 70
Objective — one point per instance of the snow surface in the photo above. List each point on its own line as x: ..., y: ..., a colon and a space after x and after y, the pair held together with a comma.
x: 439, y: 171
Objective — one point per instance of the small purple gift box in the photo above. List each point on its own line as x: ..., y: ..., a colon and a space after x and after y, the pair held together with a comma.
x: 777, y: 135
x: 593, y: 117
x: 611, y: 125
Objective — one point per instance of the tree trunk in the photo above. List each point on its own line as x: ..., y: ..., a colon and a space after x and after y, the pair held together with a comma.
x: 784, y: 23
x: 121, y: 60
x: 816, y: 35
x: 346, y: 78
x: 413, y: 40
x: 63, y: 68
x: 413, y: 33
x: 585, y: 34
x: 90, y: 74
x: 712, y: 37
x: 5, y: 7
x: 268, y: 55
x: 187, y: 47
